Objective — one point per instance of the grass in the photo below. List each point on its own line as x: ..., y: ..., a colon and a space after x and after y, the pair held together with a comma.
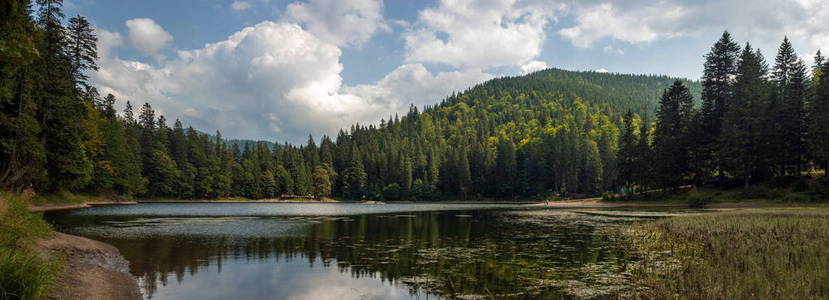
x: 755, y: 254
x: 23, y: 274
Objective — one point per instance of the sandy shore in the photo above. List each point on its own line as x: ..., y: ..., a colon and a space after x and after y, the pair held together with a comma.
x: 91, y: 269
x: 62, y: 206
x: 593, y: 204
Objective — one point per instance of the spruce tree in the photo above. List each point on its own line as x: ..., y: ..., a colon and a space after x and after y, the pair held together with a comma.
x: 717, y: 79
x: 786, y: 131
x: 644, y: 156
x: 22, y: 154
x: 61, y: 109
x: 671, y: 138
x: 744, y: 123
x: 82, y: 48
x: 818, y: 134
x: 627, y: 152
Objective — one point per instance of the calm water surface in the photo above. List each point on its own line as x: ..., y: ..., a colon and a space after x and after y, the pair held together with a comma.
x: 359, y: 251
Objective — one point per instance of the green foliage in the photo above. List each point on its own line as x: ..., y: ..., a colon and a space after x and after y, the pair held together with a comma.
x: 23, y: 275
x: 552, y: 132
x: 323, y: 178
x: 752, y: 255
x: 671, y: 138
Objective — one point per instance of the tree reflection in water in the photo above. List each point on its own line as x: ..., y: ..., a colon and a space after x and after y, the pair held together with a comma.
x: 523, y: 254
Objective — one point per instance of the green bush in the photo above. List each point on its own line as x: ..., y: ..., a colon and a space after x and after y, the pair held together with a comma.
x: 22, y: 274
x: 698, y: 200
x: 820, y: 188
x: 392, y: 192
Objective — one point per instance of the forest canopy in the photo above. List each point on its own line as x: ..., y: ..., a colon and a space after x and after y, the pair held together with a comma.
x: 546, y: 134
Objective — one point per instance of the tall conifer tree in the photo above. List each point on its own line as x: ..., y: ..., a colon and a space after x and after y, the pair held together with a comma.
x: 717, y: 79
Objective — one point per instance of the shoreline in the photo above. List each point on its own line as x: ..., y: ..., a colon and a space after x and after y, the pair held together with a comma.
x: 91, y: 269
x: 587, y: 203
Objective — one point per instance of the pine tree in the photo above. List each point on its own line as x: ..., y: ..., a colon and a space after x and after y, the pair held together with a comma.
x: 720, y: 69
x: 61, y: 110
x: 743, y: 125
x: 22, y: 154
x: 786, y: 132
x: 644, y: 156
x: 354, y: 177
x: 627, y: 152
x: 506, y: 166
x: 818, y: 114
x: 671, y: 144
x: 82, y: 48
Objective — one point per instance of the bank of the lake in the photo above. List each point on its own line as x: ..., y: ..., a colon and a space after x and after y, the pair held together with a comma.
x: 760, y: 253
x: 37, y: 262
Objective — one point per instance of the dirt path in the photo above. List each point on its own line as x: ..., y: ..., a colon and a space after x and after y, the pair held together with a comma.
x: 92, y: 269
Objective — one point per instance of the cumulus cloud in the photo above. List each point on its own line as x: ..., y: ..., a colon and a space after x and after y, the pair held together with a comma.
x: 764, y: 23
x: 533, y: 66
x: 640, y: 24
x: 146, y: 36
x: 479, y: 34
x: 342, y: 23
x: 413, y: 84
x: 271, y: 80
x: 240, y: 5
x: 601, y: 70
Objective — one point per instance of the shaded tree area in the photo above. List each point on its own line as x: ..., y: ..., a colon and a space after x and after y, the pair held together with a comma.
x: 552, y: 132
x: 757, y: 123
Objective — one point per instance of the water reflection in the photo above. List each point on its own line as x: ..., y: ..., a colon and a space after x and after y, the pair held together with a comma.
x: 517, y: 254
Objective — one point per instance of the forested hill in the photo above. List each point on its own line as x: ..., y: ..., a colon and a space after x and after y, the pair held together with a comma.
x: 621, y: 92
x: 549, y: 132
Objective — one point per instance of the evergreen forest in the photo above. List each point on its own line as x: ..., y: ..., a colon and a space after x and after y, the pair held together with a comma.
x: 553, y: 133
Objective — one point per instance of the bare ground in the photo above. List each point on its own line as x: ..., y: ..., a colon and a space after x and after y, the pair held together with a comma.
x: 62, y: 206
x: 91, y: 270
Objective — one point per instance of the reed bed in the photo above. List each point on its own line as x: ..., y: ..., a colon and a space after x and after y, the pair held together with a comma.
x: 755, y: 254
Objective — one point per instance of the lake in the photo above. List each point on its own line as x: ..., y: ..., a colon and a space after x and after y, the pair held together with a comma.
x: 359, y: 251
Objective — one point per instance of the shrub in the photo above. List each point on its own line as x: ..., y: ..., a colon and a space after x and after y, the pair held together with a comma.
x: 698, y: 200
x: 820, y: 188
x: 22, y: 274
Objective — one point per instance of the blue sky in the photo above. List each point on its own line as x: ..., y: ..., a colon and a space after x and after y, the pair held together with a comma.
x: 282, y: 69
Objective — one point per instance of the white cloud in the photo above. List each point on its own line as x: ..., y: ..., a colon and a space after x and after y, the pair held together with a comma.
x: 413, y: 84
x: 613, y: 50
x: 641, y: 24
x: 476, y: 34
x: 146, y: 36
x: 240, y: 5
x: 107, y: 41
x: 272, y: 80
x: 342, y: 23
x: 764, y: 23
x: 533, y: 66
x: 601, y: 70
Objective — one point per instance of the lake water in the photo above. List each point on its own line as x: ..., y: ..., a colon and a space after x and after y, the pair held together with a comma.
x: 318, y: 251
